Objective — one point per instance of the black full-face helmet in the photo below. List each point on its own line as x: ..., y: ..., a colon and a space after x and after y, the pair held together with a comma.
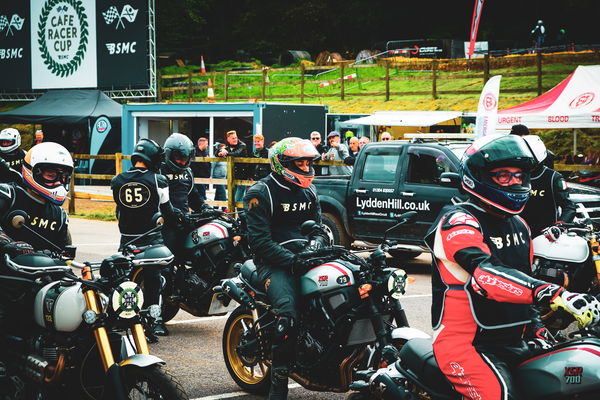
x: 491, y: 152
x: 148, y: 151
x: 179, y: 151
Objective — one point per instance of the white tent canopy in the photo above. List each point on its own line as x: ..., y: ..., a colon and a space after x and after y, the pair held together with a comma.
x: 573, y: 103
x: 405, y: 118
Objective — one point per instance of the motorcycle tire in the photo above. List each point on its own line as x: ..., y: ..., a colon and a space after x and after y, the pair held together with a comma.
x: 153, y: 382
x: 168, y: 309
x: 250, y: 374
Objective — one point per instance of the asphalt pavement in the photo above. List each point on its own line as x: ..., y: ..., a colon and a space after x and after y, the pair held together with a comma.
x: 193, y: 351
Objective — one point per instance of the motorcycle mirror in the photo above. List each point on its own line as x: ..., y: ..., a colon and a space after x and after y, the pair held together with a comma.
x: 69, y: 252
x: 17, y: 218
x: 402, y: 219
x: 307, y: 227
x: 450, y: 179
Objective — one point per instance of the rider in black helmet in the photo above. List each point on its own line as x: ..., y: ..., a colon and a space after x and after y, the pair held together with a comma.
x: 481, y: 284
x: 276, y: 206
x: 140, y: 193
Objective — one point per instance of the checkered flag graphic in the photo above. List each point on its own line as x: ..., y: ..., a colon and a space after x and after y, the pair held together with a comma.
x: 17, y: 22
x: 129, y: 13
x: 110, y: 15
x: 3, y: 22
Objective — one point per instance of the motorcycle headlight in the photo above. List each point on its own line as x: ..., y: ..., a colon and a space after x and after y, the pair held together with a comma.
x: 154, y: 311
x: 397, y: 283
x: 127, y: 300
x: 89, y: 317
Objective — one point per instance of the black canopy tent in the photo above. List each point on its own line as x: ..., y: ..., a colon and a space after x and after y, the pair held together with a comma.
x: 70, y: 118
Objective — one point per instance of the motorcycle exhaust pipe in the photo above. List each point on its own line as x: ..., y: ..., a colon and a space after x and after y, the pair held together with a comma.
x: 237, y: 294
x: 384, y: 387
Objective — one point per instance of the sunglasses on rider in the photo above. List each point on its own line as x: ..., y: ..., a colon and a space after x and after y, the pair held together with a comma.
x: 503, y: 176
x: 315, y: 138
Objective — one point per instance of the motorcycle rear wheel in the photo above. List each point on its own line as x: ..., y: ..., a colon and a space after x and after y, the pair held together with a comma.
x: 153, y: 382
x: 250, y: 374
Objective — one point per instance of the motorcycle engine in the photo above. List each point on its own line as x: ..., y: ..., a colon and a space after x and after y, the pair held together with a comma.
x: 309, y: 349
x: 195, y: 286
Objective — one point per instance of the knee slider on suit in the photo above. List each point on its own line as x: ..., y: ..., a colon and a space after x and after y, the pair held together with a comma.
x: 285, y: 328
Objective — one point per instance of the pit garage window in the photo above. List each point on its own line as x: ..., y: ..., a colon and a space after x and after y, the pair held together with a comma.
x: 380, y: 167
x: 425, y: 165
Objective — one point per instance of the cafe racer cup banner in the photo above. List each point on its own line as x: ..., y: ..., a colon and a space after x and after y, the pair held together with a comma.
x: 49, y: 44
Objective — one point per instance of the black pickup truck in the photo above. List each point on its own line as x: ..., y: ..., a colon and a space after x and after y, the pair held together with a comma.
x: 390, y: 178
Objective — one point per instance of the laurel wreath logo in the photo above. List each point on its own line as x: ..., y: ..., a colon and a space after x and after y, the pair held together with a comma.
x: 63, y: 70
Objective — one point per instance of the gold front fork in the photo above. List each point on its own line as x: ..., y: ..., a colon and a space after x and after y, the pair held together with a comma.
x: 100, y: 333
x: 139, y: 338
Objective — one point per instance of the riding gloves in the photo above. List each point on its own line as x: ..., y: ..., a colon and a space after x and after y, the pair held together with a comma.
x: 584, y: 307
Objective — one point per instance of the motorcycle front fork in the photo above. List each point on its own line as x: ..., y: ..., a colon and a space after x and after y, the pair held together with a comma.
x: 595, y: 247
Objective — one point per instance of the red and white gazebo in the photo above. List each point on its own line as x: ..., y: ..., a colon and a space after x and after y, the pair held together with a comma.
x: 573, y: 103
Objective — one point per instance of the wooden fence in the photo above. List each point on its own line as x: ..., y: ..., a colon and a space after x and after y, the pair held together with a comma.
x: 230, y: 182
x: 481, y: 68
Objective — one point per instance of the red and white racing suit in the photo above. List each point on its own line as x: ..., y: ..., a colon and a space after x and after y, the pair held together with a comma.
x: 482, y: 296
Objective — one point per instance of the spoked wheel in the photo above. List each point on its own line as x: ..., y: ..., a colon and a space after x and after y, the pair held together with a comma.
x: 152, y: 382
x: 247, y: 369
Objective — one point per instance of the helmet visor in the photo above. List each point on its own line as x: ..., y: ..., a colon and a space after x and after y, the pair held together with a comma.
x: 50, y: 176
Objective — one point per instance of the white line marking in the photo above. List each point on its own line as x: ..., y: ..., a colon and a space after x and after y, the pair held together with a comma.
x: 95, y: 244
x: 410, y: 296
x: 236, y: 394
x: 195, y: 320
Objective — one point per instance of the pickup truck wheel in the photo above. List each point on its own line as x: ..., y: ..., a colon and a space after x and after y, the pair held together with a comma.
x: 336, y: 229
x: 404, y: 255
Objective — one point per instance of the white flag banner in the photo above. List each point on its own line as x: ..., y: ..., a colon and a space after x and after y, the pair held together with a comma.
x: 485, y: 124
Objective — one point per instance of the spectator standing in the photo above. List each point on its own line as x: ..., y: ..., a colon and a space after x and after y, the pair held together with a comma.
x: 235, y: 148
x: 538, y: 33
x: 337, y: 152
x: 386, y: 136
x: 201, y: 169
x: 315, y: 139
x: 260, y: 170
x: 353, y: 150
x: 362, y: 141
x: 39, y: 137
x: 219, y: 171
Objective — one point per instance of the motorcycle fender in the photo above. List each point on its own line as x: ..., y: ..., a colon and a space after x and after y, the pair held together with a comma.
x: 217, y: 307
x: 408, y: 333
x: 141, y: 360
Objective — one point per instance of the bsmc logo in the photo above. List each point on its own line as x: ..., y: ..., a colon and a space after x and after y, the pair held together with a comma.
x: 121, y: 48
x: 582, y: 100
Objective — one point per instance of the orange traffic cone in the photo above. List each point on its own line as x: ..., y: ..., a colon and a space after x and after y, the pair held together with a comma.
x: 202, y: 66
x: 210, y: 93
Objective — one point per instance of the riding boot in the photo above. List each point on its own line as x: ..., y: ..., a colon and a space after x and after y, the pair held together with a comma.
x: 279, y: 383
x: 159, y: 328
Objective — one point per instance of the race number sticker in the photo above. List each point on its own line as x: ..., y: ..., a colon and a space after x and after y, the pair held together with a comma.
x: 127, y: 300
x: 134, y: 195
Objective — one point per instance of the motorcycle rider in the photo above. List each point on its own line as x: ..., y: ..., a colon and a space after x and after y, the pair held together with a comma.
x: 549, y: 197
x: 481, y: 284
x: 276, y: 206
x: 46, y: 170
x: 11, y: 156
x: 140, y: 193
x: 179, y: 153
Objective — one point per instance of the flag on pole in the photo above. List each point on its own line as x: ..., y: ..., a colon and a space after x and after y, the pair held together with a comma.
x: 474, y: 26
x: 17, y: 22
x: 485, y: 124
x: 202, y: 66
x: 129, y: 13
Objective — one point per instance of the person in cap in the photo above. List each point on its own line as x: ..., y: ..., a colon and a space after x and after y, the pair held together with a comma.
x: 337, y: 152
x: 315, y: 139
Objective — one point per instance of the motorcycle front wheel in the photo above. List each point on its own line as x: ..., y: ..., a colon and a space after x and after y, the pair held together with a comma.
x: 168, y: 308
x: 249, y: 372
x: 153, y: 382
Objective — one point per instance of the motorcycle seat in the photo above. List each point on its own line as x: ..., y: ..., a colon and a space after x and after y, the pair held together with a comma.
x: 250, y: 275
x: 416, y: 356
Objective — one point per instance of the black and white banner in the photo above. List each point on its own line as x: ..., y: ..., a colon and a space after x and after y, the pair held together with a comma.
x: 47, y: 44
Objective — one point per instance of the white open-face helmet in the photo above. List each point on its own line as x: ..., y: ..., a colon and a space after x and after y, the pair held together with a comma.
x: 537, y: 147
x: 10, y: 139
x: 47, y: 170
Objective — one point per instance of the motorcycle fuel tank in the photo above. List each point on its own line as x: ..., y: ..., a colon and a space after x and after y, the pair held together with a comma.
x: 208, y: 233
x: 59, y: 306
x: 568, y: 248
x: 562, y: 373
x: 326, y: 277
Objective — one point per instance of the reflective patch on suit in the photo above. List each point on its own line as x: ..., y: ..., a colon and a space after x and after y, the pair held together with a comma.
x: 267, y: 283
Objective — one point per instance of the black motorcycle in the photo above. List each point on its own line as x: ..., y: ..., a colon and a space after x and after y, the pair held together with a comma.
x: 80, y: 337
x: 349, y: 315
x: 213, y: 244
